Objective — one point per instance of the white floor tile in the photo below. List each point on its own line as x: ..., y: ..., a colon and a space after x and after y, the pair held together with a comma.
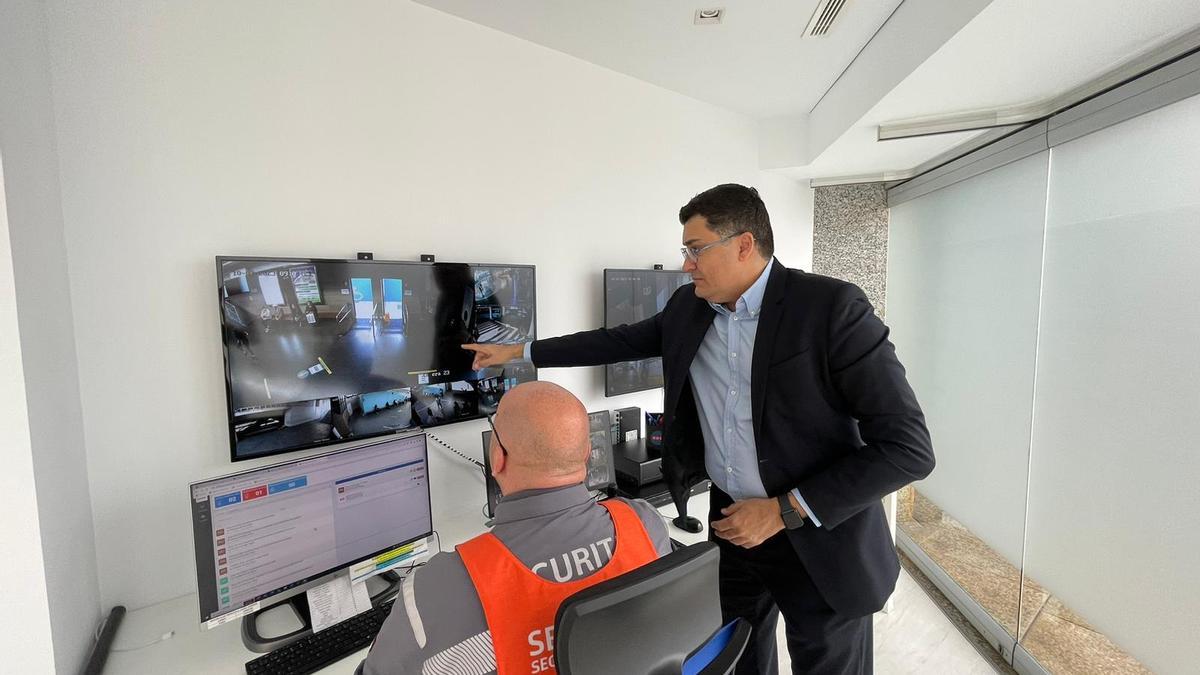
x: 915, y: 637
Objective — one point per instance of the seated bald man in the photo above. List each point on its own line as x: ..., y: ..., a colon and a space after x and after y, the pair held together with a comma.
x: 487, y: 607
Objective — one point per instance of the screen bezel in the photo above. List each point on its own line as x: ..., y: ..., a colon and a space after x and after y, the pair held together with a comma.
x: 315, y: 579
x: 230, y: 423
x: 608, y: 387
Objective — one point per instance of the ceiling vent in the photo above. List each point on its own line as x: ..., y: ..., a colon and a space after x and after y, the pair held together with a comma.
x: 824, y: 15
x: 709, y: 16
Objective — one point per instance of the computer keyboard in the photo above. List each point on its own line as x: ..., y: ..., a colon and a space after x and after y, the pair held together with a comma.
x: 313, y: 652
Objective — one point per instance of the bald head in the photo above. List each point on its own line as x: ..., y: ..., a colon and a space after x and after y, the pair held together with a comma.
x: 544, y: 428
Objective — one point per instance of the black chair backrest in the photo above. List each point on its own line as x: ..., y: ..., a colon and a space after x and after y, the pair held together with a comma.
x: 646, y: 621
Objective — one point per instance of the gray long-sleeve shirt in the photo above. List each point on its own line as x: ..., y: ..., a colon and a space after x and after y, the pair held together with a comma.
x: 437, y: 624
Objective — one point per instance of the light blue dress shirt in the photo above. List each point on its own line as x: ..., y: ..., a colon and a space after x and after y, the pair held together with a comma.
x: 721, y: 385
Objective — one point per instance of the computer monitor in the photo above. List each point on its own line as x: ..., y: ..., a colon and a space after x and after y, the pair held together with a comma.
x: 601, y: 471
x: 321, y: 351
x: 275, y: 531
x: 631, y: 296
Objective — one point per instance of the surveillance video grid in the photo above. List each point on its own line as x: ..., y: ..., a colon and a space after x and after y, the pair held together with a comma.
x: 324, y: 351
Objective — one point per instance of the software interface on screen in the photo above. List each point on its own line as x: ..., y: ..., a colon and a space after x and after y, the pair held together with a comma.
x: 631, y: 296
x: 265, y: 531
x: 321, y: 351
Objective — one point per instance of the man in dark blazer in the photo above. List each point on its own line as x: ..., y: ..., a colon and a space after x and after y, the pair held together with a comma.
x: 783, y: 388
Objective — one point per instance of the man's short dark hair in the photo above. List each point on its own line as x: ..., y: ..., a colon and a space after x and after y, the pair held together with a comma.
x: 732, y: 209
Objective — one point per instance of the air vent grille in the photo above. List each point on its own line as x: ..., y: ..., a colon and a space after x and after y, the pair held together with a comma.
x: 826, y: 13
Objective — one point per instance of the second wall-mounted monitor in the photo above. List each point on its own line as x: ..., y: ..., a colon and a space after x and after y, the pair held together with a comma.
x: 322, y: 351
x: 631, y: 296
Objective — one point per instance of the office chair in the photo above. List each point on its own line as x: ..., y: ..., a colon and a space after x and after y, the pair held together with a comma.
x: 663, y: 618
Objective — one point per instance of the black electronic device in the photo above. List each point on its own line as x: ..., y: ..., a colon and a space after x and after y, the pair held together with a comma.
x: 654, y: 430
x: 427, y: 258
x: 639, y: 475
x: 629, y: 425
x: 317, y: 650
x: 658, y: 494
x: 630, y: 296
x: 275, y: 531
x: 322, y: 351
x: 366, y: 255
x: 637, y: 464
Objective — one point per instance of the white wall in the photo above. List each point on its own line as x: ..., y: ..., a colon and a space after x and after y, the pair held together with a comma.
x: 272, y: 129
x: 47, y: 342
x: 25, y: 636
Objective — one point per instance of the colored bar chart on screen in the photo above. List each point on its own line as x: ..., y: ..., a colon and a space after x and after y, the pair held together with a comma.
x: 254, y: 492
x: 388, y: 560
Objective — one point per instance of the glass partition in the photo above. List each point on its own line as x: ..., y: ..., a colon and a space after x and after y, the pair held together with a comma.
x: 1113, y: 532
x: 1048, y: 313
x: 964, y: 268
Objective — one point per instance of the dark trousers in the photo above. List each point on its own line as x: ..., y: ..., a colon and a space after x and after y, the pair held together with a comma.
x: 759, y: 584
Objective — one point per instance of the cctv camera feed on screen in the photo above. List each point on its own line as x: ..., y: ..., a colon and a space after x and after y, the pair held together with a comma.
x: 504, y: 304
x: 631, y: 296
x: 323, y: 351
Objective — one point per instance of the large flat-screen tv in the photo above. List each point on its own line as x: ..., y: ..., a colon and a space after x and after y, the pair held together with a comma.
x: 631, y: 296
x: 321, y: 351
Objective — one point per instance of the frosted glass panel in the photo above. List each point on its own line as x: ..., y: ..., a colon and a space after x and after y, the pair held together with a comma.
x: 964, y: 267
x: 1114, y: 505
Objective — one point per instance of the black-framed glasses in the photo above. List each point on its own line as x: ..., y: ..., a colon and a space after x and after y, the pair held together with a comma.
x: 693, y: 252
x: 496, y: 434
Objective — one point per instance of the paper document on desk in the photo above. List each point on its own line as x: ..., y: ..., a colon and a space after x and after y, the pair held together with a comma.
x: 336, y: 601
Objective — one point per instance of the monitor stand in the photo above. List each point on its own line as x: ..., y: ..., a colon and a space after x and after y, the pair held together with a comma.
x: 388, y: 584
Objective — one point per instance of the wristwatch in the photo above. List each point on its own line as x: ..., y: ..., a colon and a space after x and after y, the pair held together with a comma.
x: 792, y: 520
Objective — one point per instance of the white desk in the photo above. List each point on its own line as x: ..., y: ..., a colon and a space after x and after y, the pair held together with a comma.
x: 456, y: 516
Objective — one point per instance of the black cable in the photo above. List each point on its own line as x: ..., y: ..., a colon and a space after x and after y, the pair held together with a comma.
x: 414, y: 565
x: 446, y: 445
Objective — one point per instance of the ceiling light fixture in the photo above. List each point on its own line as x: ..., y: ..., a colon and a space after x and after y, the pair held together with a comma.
x: 709, y: 16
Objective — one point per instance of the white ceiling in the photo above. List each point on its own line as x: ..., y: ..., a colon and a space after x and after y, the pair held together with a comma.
x: 1013, y: 52
x: 1022, y: 51
x: 756, y: 62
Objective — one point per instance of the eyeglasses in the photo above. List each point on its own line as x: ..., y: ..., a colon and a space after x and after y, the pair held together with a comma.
x: 693, y: 252
x: 496, y: 434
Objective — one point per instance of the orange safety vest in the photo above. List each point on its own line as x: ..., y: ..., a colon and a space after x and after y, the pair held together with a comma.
x: 520, y: 606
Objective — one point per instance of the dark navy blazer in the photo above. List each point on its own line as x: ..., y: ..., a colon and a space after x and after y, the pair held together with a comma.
x: 833, y: 416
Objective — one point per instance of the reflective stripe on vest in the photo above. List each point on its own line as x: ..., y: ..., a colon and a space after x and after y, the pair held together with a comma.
x: 520, y: 606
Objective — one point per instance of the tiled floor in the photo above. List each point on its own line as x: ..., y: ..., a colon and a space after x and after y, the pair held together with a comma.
x: 915, y: 637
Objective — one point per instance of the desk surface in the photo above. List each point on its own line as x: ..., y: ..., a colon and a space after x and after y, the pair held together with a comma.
x: 195, y: 650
